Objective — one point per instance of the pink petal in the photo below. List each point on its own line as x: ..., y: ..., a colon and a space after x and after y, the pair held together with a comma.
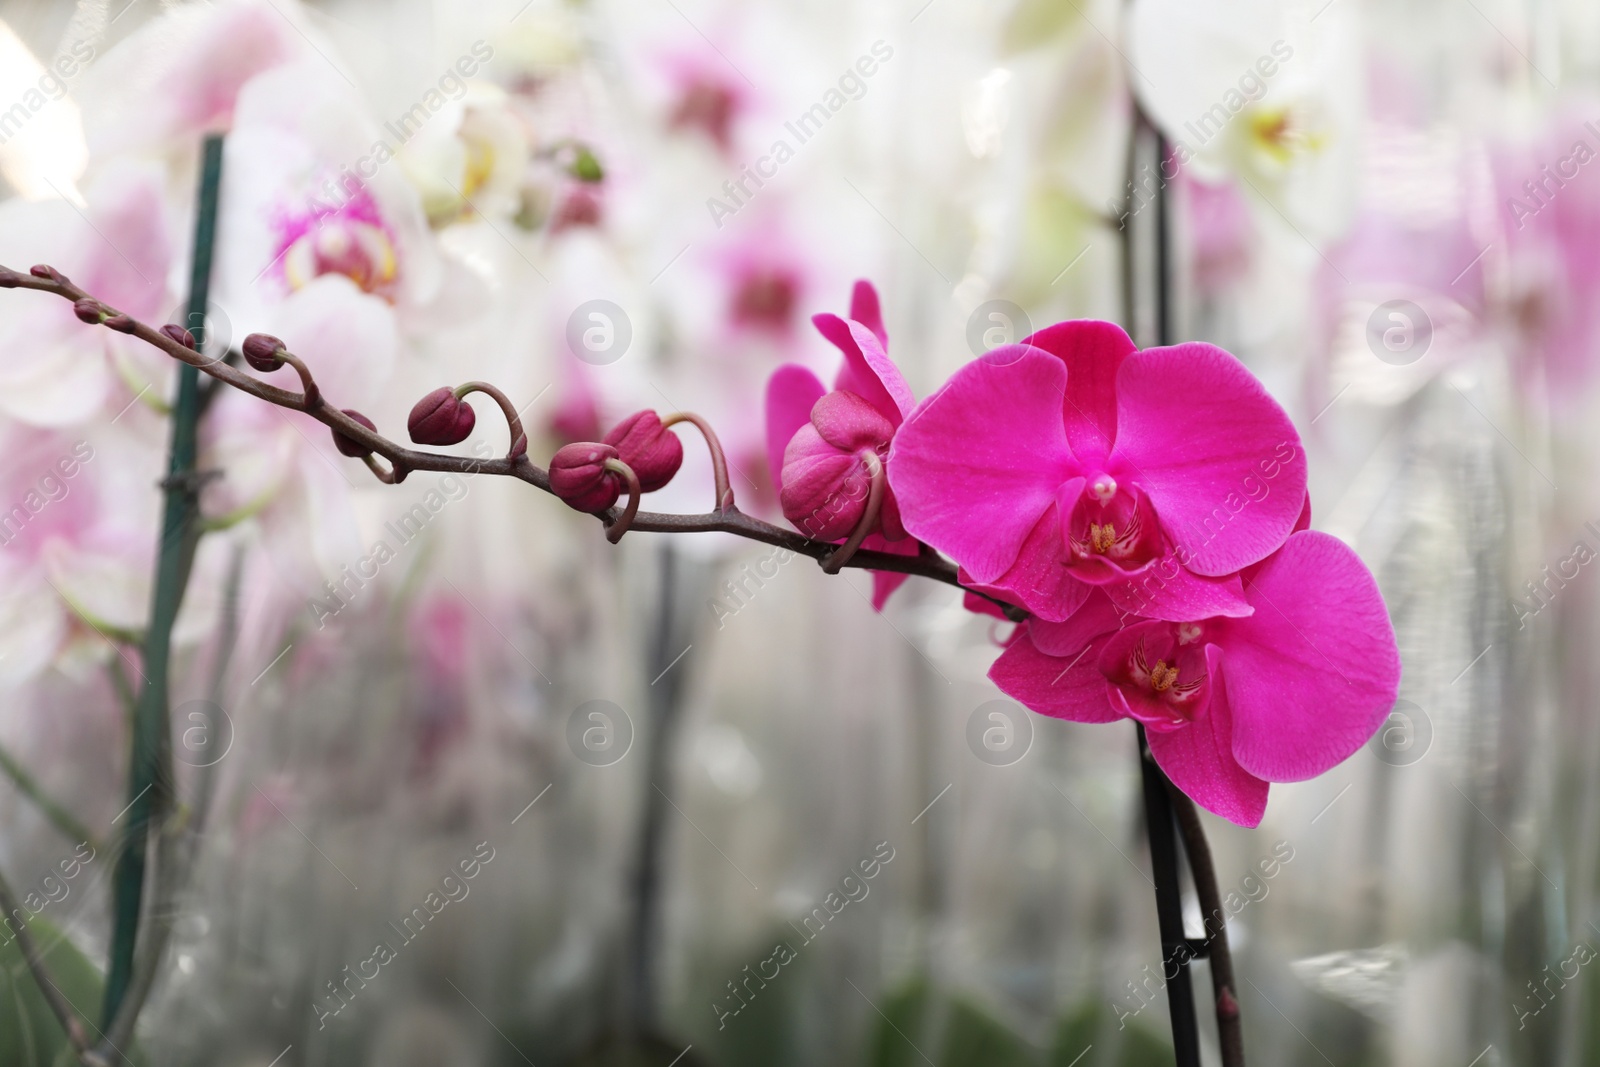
x: 349, y: 338
x: 1199, y: 758
x: 885, y: 583
x: 1096, y: 618
x: 1093, y: 352
x: 1053, y: 685
x: 792, y: 392
x: 1168, y: 591
x: 1040, y: 580
x: 825, y: 490
x: 1216, y: 454
x: 982, y: 605
x: 864, y: 309
x: 848, y: 422
x: 978, y: 463
x: 1314, y: 672
x: 867, y: 371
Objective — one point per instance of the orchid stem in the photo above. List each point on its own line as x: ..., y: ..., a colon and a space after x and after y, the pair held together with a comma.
x: 150, y: 778
x: 387, y: 477
x: 62, y: 819
x: 719, y: 461
x: 868, y: 521
x: 1230, y: 1030
x: 622, y: 522
x: 1175, y: 948
x: 71, y: 1024
x: 519, y: 439
x: 308, y: 385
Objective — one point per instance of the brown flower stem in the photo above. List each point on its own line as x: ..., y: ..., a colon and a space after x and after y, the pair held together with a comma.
x: 868, y: 521
x: 519, y: 439
x: 719, y: 461
x: 723, y: 520
x: 1176, y: 951
x: 1230, y: 1030
x: 622, y: 522
x: 393, y: 476
x: 71, y: 1024
x: 309, y: 392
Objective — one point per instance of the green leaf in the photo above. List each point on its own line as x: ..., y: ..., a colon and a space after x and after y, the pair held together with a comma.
x: 899, y: 1028
x: 974, y: 1038
x: 30, y: 1036
x: 917, y: 1022
x: 1093, y: 1029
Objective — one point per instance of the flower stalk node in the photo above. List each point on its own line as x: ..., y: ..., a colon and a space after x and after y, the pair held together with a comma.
x: 719, y: 460
x: 622, y: 522
x: 835, y: 560
x: 519, y: 438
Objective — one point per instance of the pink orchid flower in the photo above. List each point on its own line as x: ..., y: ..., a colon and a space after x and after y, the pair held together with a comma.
x: 1228, y: 704
x: 1073, y: 461
x: 818, y: 441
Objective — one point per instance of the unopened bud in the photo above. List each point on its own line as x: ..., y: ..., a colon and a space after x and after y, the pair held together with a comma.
x: 88, y: 310
x: 262, y: 351
x: 349, y: 445
x: 441, y: 418
x: 578, y: 476
x: 173, y: 332
x: 653, y: 451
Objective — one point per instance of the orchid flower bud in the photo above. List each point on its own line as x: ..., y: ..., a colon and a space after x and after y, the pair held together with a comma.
x: 263, y: 351
x: 349, y: 445
x: 653, y: 451
x: 826, y: 476
x: 89, y: 310
x: 441, y: 418
x: 173, y: 332
x: 578, y: 476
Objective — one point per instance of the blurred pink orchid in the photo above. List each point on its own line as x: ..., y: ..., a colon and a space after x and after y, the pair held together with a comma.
x: 55, y: 372
x: 1229, y: 704
x: 817, y: 440
x: 1548, y: 192
x: 180, y: 75
x: 1074, y: 460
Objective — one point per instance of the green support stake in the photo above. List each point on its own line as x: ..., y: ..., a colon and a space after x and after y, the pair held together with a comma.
x: 150, y: 785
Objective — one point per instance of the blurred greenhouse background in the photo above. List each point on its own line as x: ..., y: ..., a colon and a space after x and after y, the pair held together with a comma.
x: 1397, y: 229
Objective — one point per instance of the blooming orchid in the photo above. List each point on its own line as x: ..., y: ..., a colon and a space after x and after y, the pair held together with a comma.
x: 826, y: 449
x: 1229, y: 704
x: 1073, y: 461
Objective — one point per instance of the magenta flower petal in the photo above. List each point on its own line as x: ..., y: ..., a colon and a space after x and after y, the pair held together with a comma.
x: 1040, y: 580
x: 867, y: 371
x: 884, y: 583
x: 1051, y: 686
x: 1199, y: 759
x: 847, y: 422
x: 792, y: 392
x: 1315, y: 671
x: 1093, y: 352
x: 1168, y: 591
x: 864, y: 309
x: 1097, y: 617
x: 979, y: 462
x: 824, y: 490
x: 1215, y: 453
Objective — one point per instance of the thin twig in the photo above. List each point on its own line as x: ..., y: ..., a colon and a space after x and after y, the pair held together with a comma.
x: 1230, y: 1031
x: 406, y: 460
x: 71, y: 1025
x: 62, y: 819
